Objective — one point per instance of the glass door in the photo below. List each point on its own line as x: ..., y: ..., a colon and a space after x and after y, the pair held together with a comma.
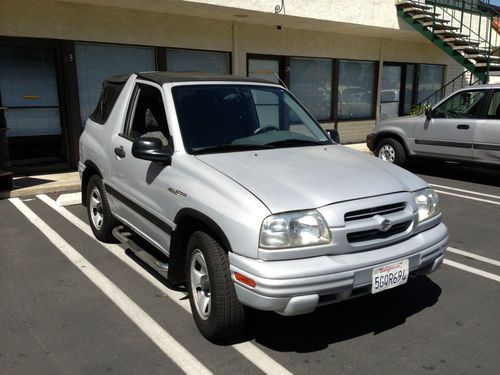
x: 265, y: 68
x: 30, y: 110
x: 267, y: 105
x: 390, y: 92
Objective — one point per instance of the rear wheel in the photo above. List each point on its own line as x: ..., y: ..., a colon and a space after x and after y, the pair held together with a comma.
x: 216, y: 309
x: 99, y: 213
x: 391, y: 151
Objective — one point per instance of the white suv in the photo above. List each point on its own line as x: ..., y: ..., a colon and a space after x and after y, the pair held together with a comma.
x: 229, y: 185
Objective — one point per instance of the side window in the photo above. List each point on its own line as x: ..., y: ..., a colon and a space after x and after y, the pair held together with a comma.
x: 494, y: 107
x: 147, y: 115
x: 465, y: 104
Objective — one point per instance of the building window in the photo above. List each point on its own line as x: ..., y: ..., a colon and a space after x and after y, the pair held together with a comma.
x: 95, y: 62
x: 397, y: 92
x: 409, y: 89
x: 400, y: 90
x: 430, y: 80
x: 311, y: 82
x: 265, y: 68
x: 356, y: 87
x: 179, y: 60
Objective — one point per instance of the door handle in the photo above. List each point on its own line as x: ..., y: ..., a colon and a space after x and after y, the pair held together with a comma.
x: 463, y: 126
x: 120, y: 152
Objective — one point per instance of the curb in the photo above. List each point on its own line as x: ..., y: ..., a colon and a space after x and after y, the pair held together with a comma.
x: 16, y: 193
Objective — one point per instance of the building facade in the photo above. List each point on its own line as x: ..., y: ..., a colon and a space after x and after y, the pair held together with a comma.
x: 350, y: 62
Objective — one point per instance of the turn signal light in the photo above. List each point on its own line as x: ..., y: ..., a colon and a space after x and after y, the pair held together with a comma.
x: 245, y: 280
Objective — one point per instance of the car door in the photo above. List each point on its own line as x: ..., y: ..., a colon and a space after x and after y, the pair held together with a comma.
x: 449, y: 131
x: 486, y: 147
x: 139, y: 187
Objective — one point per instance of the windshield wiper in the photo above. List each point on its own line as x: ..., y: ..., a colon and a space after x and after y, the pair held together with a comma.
x: 230, y: 147
x: 296, y: 142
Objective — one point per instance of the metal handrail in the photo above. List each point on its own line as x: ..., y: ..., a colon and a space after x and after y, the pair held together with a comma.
x: 456, y: 83
x: 481, y: 12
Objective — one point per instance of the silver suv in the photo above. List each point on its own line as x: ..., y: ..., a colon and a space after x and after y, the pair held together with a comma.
x: 229, y: 185
x: 464, y: 126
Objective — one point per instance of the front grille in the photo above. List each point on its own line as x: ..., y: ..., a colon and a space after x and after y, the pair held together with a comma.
x: 376, y: 234
x: 370, y: 212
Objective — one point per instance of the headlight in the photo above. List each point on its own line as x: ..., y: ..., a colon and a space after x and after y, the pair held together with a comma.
x: 428, y: 204
x: 294, y: 229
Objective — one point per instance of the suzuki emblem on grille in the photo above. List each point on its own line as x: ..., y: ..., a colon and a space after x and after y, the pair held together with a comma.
x: 385, y: 225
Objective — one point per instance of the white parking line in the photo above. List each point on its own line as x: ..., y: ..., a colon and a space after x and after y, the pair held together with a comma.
x: 247, y: 349
x: 473, y: 270
x: 474, y: 256
x: 176, y: 352
x: 467, y: 197
x: 466, y: 191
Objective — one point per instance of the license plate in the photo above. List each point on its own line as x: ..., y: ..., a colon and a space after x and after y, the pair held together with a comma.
x: 389, y: 276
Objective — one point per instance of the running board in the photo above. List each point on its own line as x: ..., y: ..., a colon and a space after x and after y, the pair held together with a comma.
x: 125, y: 236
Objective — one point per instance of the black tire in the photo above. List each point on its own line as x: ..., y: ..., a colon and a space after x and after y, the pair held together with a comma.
x: 391, y: 151
x: 98, y: 206
x: 225, y: 315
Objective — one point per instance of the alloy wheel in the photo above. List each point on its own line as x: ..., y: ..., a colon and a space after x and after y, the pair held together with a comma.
x: 200, y: 284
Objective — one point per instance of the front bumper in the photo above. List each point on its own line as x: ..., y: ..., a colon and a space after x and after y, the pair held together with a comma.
x: 293, y: 287
x: 370, y: 141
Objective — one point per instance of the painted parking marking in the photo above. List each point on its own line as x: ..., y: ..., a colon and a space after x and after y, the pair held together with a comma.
x: 467, y: 197
x: 473, y: 270
x: 471, y: 197
x: 175, y: 351
x: 474, y: 256
x: 466, y: 191
x: 246, y: 349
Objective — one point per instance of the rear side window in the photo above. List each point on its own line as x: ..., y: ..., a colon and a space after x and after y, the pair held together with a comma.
x: 494, y: 107
x: 109, y: 95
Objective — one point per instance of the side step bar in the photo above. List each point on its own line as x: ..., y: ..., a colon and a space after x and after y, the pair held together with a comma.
x: 125, y: 236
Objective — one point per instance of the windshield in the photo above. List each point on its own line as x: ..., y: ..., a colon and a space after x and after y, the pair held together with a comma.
x: 228, y: 118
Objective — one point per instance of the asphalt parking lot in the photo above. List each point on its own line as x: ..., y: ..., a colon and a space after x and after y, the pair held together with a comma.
x: 71, y: 305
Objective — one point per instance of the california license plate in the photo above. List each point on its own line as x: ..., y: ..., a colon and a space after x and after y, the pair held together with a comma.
x: 389, y: 276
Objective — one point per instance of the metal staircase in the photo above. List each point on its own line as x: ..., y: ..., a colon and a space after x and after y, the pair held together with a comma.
x: 466, y: 30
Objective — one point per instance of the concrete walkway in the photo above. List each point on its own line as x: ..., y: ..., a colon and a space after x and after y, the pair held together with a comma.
x: 70, y: 181
x: 41, y: 184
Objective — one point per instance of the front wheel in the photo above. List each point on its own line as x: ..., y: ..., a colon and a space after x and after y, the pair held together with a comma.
x: 101, y: 219
x: 391, y: 151
x: 216, y: 309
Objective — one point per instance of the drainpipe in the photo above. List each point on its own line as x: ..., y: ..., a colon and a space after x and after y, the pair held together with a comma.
x: 235, y: 69
x: 5, y: 177
x: 379, y: 80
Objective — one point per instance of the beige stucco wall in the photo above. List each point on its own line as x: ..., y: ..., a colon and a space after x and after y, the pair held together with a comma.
x: 61, y: 20
x: 378, y: 13
x: 83, y: 22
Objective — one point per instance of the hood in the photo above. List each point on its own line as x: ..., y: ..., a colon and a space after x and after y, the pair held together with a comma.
x: 399, y: 120
x: 289, y: 179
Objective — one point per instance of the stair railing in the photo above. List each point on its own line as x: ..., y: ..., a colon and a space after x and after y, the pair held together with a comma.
x: 481, y: 16
x: 462, y: 80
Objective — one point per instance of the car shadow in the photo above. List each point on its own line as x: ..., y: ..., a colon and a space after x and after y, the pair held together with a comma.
x: 328, y: 324
x: 486, y: 175
x: 342, y: 321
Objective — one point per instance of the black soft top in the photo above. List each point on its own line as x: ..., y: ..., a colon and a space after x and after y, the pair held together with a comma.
x: 168, y: 77
x: 112, y: 87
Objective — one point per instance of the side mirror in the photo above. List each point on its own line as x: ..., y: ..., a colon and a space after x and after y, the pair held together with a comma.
x: 428, y: 113
x: 333, y: 134
x: 149, y: 148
